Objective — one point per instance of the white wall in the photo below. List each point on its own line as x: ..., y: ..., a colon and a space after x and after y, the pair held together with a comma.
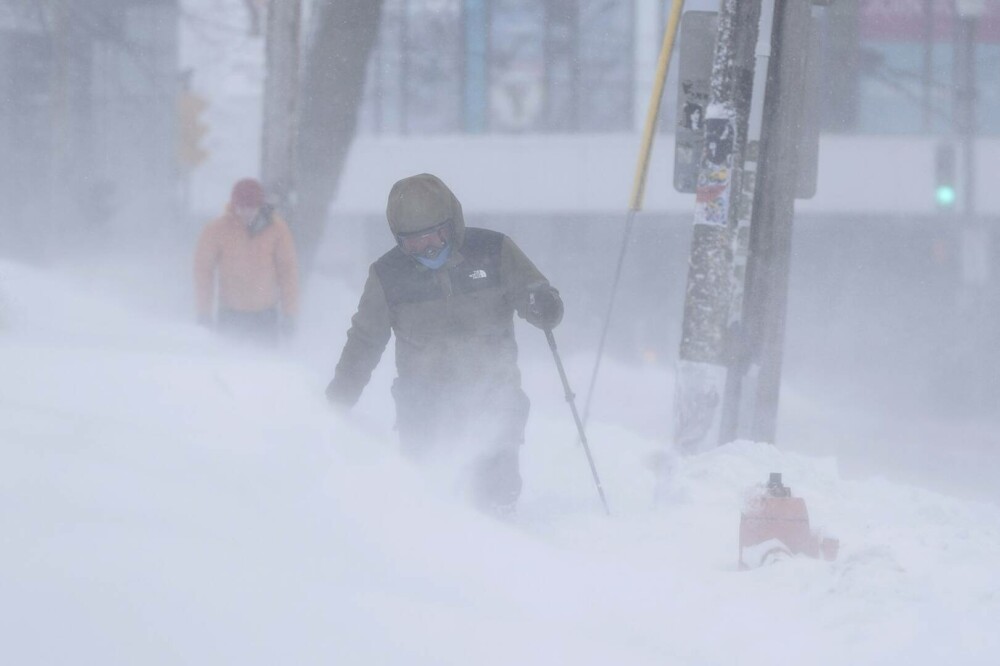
x: 593, y: 174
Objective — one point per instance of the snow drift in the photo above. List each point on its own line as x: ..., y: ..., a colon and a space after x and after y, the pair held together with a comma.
x: 166, y: 499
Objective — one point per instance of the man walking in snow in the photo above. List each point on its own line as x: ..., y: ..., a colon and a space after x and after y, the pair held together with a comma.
x: 250, y: 250
x: 449, y: 294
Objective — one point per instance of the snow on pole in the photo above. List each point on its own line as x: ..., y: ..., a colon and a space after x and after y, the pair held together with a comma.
x: 739, y: 360
x: 701, y: 372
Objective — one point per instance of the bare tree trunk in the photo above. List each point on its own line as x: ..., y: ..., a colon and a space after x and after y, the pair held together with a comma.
x: 253, y: 8
x: 333, y: 85
x: 280, y: 92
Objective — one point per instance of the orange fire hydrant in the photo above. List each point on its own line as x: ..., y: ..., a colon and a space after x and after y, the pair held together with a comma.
x: 774, y: 524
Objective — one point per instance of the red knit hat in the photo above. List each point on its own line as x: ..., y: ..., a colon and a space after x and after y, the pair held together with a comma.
x: 247, y: 193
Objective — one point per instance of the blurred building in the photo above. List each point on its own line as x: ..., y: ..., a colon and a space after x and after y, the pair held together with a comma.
x: 502, y: 66
x: 88, y: 117
x: 904, y: 68
x: 514, y: 66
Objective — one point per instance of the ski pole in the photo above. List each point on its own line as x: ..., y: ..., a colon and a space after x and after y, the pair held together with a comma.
x: 576, y: 416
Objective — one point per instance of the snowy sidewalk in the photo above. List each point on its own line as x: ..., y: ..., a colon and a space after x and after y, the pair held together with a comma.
x: 165, y: 500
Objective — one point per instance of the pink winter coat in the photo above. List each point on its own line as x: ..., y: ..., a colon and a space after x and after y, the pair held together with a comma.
x: 255, y: 272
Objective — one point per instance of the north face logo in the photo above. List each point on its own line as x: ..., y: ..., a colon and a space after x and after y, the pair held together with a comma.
x: 478, y: 274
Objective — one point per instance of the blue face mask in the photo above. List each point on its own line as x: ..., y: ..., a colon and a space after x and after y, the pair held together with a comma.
x: 438, y: 261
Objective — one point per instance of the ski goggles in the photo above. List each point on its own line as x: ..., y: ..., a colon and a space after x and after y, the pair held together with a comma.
x: 427, y: 242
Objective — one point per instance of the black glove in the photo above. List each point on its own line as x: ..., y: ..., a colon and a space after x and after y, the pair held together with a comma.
x: 544, y: 309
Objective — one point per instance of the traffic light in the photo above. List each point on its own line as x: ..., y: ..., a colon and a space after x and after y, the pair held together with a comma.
x: 945, y: 193
x: 190, y: 129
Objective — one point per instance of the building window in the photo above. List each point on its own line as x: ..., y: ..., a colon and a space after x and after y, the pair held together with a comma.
x: 510, y: 66
x: 906, y: 68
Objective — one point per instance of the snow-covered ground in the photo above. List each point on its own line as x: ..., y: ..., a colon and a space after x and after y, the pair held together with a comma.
x: 168, y: 499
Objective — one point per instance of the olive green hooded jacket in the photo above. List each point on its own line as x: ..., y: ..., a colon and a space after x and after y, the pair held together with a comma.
x: 454, y: 326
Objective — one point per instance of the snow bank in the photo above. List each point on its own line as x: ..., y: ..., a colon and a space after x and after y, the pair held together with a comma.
x: 166, y: 499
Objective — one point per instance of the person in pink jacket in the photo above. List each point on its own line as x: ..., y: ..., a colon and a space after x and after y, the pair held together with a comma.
x: 245, y: 270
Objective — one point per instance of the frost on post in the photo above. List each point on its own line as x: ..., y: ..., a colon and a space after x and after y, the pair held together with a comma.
x: 701, y: 373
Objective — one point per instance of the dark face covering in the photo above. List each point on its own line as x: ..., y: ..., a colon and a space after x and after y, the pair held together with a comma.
x: 259, y: 221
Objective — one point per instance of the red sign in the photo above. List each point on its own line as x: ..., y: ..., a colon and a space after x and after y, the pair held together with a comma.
x: 909, y: 20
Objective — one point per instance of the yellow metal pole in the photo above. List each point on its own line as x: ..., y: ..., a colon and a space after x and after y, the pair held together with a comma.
x: 639, y: 186
x: 653, y: 113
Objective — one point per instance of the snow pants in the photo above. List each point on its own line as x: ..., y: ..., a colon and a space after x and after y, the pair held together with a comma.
x: 489, y: 423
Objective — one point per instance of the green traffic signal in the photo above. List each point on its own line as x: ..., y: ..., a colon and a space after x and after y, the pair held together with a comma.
x: 945, y: 196
x: 945, y: 173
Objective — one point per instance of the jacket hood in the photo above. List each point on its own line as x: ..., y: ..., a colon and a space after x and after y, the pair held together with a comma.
x: 421, y: 202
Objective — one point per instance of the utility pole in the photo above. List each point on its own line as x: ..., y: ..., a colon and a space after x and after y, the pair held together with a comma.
x: 739, y: 348
x: 705, y: 337
x: 965, y: 95
x: 974, y: 242
x: 562, y: 65
x: 771, y: 229
x: 60, y: 180
x: 927, y: 70
x: 280, y: 103
x: 475, y: 88
x: 974, y: 236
